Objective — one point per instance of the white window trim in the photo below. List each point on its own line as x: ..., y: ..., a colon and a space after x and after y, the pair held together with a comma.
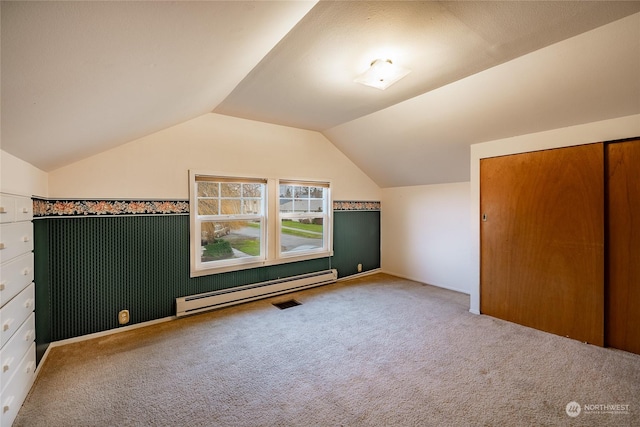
x: 326, y: 213
x: 271, y: 231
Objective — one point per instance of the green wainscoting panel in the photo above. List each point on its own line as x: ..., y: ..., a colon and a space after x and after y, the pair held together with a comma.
x: 90, y: 268
x: 356, y: 241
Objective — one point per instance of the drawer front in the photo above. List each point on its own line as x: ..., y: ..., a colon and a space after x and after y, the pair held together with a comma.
x: 16, y: 391
x: 15, y: 208
x: 15, y: 275
x: 14, y: 350
x: 15, y: 312
x: 24, y: 209
x: 15, y: 239
x: 7, y: 208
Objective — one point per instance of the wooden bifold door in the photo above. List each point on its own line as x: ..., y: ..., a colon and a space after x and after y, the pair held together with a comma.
x: 560, y: 241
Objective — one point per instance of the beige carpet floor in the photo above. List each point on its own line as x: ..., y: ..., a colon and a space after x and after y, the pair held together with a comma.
x: 373, y: 351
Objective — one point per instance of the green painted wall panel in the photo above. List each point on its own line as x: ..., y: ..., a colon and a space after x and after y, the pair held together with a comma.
x: 90, y: 268
x: 356, y: 241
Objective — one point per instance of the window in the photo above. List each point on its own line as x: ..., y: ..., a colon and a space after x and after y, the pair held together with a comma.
x: 230, y: 224
x: 243, y: 222
x: 303, y: 215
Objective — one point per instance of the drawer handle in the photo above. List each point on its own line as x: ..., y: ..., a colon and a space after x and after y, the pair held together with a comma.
x: 7, y: 404
x: 2, y: 210
x: 29, y: 335
x: 25, y: 210
x: 7, y: 365
x: 28, y: 303
x: 7, y: 325
x: 30, y: 368
x: 25, y: 272
x: 3, y: 285
x: 1, y: 245
x: 25, y: 239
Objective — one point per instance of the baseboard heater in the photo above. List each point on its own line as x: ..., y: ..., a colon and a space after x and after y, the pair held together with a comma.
x: 216, y: 299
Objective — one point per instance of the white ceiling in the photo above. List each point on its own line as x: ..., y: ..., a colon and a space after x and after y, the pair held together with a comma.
x: 82, y: 77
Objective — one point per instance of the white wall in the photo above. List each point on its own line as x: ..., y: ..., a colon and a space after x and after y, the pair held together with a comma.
x: 606, y: 130
x: 425, y: 234
x: 156, y: 166
x: 20, y: 177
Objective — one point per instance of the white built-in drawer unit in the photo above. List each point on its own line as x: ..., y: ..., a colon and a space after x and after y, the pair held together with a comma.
x: 17, y: 305
x: 16, y: 391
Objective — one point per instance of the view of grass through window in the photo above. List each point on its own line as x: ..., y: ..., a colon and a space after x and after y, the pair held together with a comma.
x: 234, y: 239
x: 300, y: 229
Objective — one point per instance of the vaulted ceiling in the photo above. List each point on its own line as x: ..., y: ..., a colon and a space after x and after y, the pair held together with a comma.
x: 82, y: 77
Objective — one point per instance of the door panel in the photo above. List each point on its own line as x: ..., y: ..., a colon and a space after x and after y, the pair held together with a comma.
x: 623, y: 307
x: 542, y: 240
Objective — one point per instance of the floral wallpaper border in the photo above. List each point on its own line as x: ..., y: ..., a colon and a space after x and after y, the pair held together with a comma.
x: 59, y: 208
x: 355, y: 206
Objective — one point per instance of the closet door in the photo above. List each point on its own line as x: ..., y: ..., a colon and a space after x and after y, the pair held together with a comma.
x: 542, y: 240
x: 623, y: 307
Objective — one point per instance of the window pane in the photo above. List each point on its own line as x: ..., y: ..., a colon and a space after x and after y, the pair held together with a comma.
x: 252, y: 206
x: 301, y: 235
x: 286, y: 191
x: 286, y: 205
x: 207, y: 189
x: 231, y: 189
x: 301, y: 205
x: 252, y: 190
x: 305, y: 199
x: 229, y: 240
x: 316, y: 205
x: 230, y: 206
x: 301, y: 192
x: 211, y: 230
x: 207, y: 206
x: 317, y: 192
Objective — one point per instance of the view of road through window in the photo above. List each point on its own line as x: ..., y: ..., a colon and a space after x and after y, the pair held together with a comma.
x: 244, y: 238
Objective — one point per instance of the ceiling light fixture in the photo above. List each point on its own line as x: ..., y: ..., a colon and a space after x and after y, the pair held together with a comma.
x: 381, y: 74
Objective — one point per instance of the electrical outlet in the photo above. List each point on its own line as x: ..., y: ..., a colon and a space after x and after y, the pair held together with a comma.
x: 123, y: 317
x: 359, y: 268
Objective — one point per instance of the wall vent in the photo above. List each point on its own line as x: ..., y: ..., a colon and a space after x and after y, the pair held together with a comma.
x: 286, y: 304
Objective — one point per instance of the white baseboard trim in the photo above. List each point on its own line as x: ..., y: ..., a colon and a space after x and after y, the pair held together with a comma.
x: 357, y: 275
x: 474, y: 311
x: 425, y: 283
x: 111, y: 331
x: 44, y: 357
x: 99, y: 335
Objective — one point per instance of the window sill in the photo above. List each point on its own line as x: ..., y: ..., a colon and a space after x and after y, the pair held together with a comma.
x: 237, y: 267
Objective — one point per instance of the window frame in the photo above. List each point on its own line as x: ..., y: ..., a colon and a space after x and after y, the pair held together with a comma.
x: 271, y: 226
x: 198, y: 267
x: 325, y: 214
